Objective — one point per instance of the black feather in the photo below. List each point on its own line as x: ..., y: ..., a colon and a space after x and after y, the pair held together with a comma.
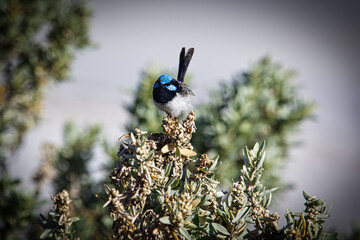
x: 184, y: 62
x: 163, y: 95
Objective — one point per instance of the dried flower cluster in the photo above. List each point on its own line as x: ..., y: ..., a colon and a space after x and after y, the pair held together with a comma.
x: 59, y: 221
x: 154, y: 189
x: 309, y: 223
x: 238, y: 195
x: 62, y: 207
x: 162, y: 191
x: 179, y: 136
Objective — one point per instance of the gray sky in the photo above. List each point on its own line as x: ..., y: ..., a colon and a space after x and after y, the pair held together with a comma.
x: 320, y: 40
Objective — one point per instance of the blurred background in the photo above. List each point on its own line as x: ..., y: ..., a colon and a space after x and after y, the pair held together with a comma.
x: 319, y: 40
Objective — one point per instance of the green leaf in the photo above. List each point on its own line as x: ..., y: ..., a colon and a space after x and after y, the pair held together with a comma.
x: 185, y: 233
x: 226, y: 208
x: 220, y: 228
x: 53, y: 214
x: 150, y: 156
x: 161, y: 199
x: 288, y: 216
x: 268, y: 201
x: 172, y: 192
x: 229, y: 200
x: 266, y: 192
x: 129, y: 156
x: 42, y: 219
x: 318, y: 202
x: 198, y: 188
x: 261, y: 149
x: 188, y: 173
x: 240, y: 214
x: 74, y: 219
x: 262, y: 159
x: 168, y: 169
x: 170, y: 182
x: 248, y: 219
x: 192, y: 186
x: 267, y: 219
x: 212, y: 181
x: 205, y: 198
x: 186, y: 185
x: 178, y: 152
x: 256, y: 147
x: 329, y: 209
x: 165, y: 220
x: 133, y: 173
x: 133, y: 139
x: 306, y: 196
x: 247, y: 158
x: 323, y: 216
x: 45, y: 233
x: 175, y: 184
x: 214, y: 165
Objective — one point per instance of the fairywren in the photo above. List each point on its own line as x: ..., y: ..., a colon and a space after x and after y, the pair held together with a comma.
x: 172, y: 95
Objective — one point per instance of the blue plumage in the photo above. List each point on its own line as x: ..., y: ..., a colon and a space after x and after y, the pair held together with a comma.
x: 173, y: 96
x: 164, y: 79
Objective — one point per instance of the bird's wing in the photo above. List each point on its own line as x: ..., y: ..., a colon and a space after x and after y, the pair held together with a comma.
x: 184, y: 63
x: 185, y: 90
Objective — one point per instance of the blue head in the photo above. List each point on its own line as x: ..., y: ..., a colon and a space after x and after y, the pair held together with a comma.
x: 168, y: 82
x: 163, y: 79
x: 165, y: 89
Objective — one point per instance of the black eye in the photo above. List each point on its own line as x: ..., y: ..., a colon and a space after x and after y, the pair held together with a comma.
x: 175, y: 83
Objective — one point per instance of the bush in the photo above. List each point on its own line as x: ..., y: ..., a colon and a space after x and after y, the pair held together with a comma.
x: 160, y: 191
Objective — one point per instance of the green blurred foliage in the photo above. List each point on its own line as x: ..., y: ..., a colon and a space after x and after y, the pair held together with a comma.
x: 38, y: 41
x: 72, y: 159
x: 17, y: 210
x: 37, y: 44
x: 259, y: 104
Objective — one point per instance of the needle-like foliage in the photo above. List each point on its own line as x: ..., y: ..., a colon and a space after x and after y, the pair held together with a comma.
x: 162, y: 189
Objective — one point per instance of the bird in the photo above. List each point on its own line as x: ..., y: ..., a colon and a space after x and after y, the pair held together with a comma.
x: 173, y: 95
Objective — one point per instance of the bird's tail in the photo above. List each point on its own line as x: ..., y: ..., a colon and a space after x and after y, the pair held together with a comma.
x: 184, y: 63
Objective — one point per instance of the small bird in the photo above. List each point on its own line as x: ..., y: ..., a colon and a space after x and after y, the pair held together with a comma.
x: 172, y: 95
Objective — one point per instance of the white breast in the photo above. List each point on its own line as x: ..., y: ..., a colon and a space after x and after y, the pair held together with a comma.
x: 176, y: 106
